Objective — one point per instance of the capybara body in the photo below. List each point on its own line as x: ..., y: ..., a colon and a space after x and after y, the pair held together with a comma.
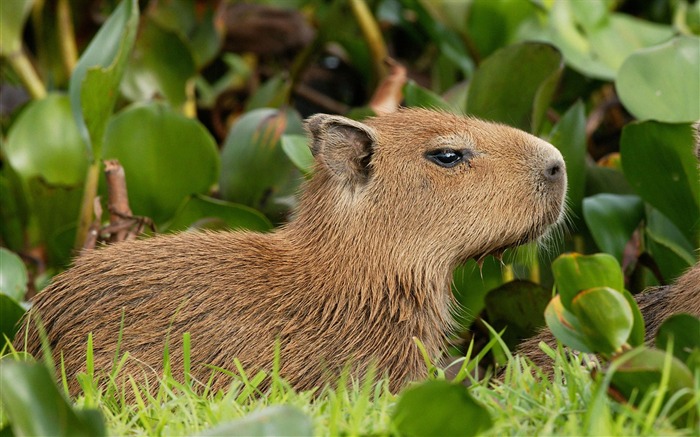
x: 364, y: 266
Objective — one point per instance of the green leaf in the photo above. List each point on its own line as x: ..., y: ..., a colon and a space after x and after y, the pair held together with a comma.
x: 569, y: 136
x: 166, y: 157
x: 637, y: 336
x: 596, y: 42
x: 416, y: 95
x: 666, y: 152
x: 14, y: 15
x: 196, y: 28
x: 522, y: 103
x: 611, y: 219
x: 13, y: 275
x: 643, y: 372
x: 255, y: 170
x: 565, y: 326
x: 606, y: 318
x: 520, y: 306
x: 449, y: 42
x: 272, y: 94
x: 271, y: 421
x: 13, y: 211
x: 684, y: 330
x: 494, y: 24
x: 94, y: 84
x: 672, y: 251
x: 601, y: 179
x: 297, y: 149
x: 661, y: 82
x: 34, y: 405
x: 574, y: 273
x: 202, y: 211
x: 44, y: 141
x: 439, y: 408
x: 161, y: 64
x: 55, y: 209
x: 10, y: 313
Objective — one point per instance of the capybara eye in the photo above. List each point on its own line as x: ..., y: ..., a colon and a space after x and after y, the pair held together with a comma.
x: 447, y: 158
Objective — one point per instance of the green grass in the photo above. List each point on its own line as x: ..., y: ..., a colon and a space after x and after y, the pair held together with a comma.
x: 521, y: 403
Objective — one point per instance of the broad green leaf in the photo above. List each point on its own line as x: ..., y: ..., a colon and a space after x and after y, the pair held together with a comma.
x: 416, y: 95
x: 643, y: 372
x: 684, y: 331
x: 44, y: 142
x: 520, y: 306
x: 206, y: 212
x: 661, y: 82
x: 10, y: 313
x: 161, y: 64
x: 597, y: 43
x: 34, y: 406
x: 606, y: 318
x: 255, y: 170
x: 270, y: 421
x: 672, y: 251
x: 611, y: 219
x: 522, y: 103
x: 297, y: 149
x: 666, y: 152
x: 14, y: 15
x: 439, y: 408
x: 565, y: 326
x: 55, y: 210
x: 601, y: 179
x: 494, y: 24
x: 13, y: 211
x: 637, y: 334
x: 166, y: 157
x: 94, y: 84
x: 13, y: 275
x: 574, y: 272
x: 48, y: 156
x: 569, y: 136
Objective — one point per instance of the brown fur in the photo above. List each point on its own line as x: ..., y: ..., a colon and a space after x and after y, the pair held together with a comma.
x: 364, y: 266
x: 656, y: 305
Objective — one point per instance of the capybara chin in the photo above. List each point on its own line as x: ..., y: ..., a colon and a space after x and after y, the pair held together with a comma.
x: 394, y: 205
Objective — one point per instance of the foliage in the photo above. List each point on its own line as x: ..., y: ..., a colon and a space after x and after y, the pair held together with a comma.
x: 594, y: 313
x: 209, y: 133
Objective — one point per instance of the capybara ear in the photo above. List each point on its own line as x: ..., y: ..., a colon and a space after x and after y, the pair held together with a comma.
x: 342, y: 145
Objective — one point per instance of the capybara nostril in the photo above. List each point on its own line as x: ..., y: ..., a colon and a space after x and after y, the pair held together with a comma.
x: 555, y: 170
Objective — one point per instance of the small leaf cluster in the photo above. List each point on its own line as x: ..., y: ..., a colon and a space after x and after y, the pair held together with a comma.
x: 593, y: 313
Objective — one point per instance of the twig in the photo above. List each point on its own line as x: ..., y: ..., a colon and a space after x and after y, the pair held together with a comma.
x: 94, y: 230
x: 388, y: 95
x: 119, y: 211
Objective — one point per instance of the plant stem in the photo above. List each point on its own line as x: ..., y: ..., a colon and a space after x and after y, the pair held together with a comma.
x: 371, y: 32
x: 27, y: 74
x: 86, y: 208
x: 66, y: 35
